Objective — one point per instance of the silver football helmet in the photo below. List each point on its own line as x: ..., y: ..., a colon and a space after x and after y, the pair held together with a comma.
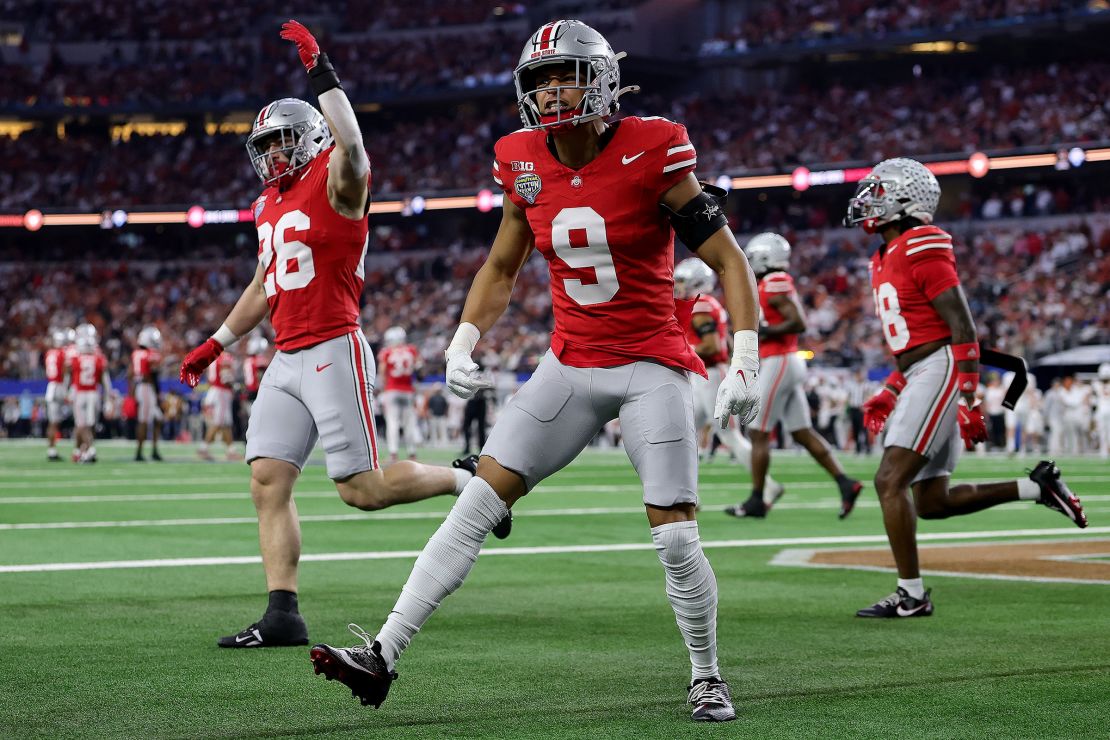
x: 87, y: 333
x: 768, y: 252
x: 257, y: 345
x: 693, y: 277
x: 394, y: 336
x: 897, y: 188
x: 62, y: 337
x: 597, y: 74
x: 1104, y: 372
x: 303, y: 133
x: 150, y: 337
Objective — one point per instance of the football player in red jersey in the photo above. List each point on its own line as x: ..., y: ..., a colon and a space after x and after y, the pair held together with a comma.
x: 929, y: 329
x: 782, y: 378
x: 254, y: 366
x: 55, y: 363
x: 217, y: 404
x: 312, y: 238
x: 398, y: 363
x: 708, y: 333
x: 146, y: 361
x: 88, y: 369
x: 601, y: 201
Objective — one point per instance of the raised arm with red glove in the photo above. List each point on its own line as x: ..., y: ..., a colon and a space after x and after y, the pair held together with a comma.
x: 877, y: 408
x: 348, y: 175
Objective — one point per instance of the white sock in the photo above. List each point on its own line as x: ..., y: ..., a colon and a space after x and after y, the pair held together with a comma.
x: 1028, y: 490
x: 462, y: 477
x: 442, y: 566
x: 692, y: 591
x: 915, y: 587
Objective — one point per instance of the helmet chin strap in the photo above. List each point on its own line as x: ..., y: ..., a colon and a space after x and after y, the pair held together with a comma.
x: 282, y: 177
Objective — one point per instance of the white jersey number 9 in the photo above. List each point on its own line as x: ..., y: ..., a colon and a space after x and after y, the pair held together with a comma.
x: 890, y: 314
x: 295, y: 268
x: 594, y: 254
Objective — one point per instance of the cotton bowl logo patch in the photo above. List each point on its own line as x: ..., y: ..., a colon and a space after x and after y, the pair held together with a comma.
x: 528, y: 186
x: 258, y: 206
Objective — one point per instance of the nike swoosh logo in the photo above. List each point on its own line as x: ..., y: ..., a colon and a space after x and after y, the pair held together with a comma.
x: 910, y: 612
x: 321, y: 368
x: 254, y: 635
x: 629, y: 160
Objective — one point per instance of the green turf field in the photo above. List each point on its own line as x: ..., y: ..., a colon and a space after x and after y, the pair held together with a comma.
x: 558, y: 642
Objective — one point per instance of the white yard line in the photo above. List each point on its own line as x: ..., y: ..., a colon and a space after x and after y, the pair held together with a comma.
x: 549, y: 550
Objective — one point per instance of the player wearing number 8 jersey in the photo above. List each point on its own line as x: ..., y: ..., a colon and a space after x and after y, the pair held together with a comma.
x: 601, y: 202
x: 929, y: 329
x: 312, y: 237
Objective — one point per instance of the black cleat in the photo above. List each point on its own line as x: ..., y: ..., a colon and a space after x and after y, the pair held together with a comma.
x: 849, y: 492
x: 155, y: 456
x: 361, y: 668
x: 470, y: 464
x: 712, y: 700
x: 275, y: 629
x: 754, y: 508
x: 899, y: 604
x: 139, y: 457
x: 1055, y: 494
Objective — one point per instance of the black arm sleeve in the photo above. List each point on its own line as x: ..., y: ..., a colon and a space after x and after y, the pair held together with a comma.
x: 701, y: 218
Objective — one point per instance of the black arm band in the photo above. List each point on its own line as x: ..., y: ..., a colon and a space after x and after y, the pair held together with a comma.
x: 701, y: 218
x: 322, y: 77
x: 708, y: 327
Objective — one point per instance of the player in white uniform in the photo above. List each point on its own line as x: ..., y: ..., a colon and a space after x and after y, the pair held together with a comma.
x: 1102, y: 409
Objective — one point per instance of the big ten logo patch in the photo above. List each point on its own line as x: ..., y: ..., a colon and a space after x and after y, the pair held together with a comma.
x: 519, y: 166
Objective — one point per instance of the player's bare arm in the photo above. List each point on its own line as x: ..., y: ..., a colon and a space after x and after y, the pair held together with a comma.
x: 794, y: 320
x: 488, y: 298
x: 952, y: 307
x: 247, y: 313
x: 348, y: 168
x: 493, y: 285
x: 721, y: 252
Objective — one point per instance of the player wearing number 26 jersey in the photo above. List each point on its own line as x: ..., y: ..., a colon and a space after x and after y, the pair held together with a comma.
x: 312, y: 238
x: 601, y: 202
x: 929, y: 329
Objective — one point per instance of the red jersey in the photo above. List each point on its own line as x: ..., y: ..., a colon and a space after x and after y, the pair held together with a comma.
x: 55, y: 363
x: 906, y: 275
x: 400, y: 367
x: 253, y: 369
x: 144, y: 362
x: 770, y: 285
x: 312, y: 257
x: 87, y: 370
x: 707, y: 304
x: 608, y: 245
x: 221, y: 373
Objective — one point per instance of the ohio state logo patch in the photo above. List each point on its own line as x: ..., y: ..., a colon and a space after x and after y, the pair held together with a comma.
x: 528, y: 186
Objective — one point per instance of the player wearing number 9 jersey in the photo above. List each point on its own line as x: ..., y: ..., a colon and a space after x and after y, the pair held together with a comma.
x: 601, y: 202
x: 312, y: 237
x: 929, y: 329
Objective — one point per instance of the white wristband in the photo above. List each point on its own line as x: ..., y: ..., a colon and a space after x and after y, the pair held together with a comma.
x: 466, y: 337
x: 226, y: 337
x: 745, y: 343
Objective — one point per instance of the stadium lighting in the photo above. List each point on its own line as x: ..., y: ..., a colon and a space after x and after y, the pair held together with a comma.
x: 801, y: 179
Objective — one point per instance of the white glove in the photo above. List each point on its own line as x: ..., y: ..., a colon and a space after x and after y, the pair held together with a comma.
x: 463, y: 378
x: 739, y: 392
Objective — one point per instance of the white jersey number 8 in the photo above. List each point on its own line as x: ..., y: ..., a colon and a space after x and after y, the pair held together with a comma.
x: 295, y: 268
x: 890, y: 314
x: 595, y: 254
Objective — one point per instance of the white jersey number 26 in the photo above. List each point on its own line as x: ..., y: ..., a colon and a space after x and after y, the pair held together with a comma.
x: 595, y: 254
x: 295, y: 268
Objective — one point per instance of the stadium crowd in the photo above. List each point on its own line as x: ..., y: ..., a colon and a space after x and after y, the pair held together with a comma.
x: 450, y: 149
x: 785, y: 22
